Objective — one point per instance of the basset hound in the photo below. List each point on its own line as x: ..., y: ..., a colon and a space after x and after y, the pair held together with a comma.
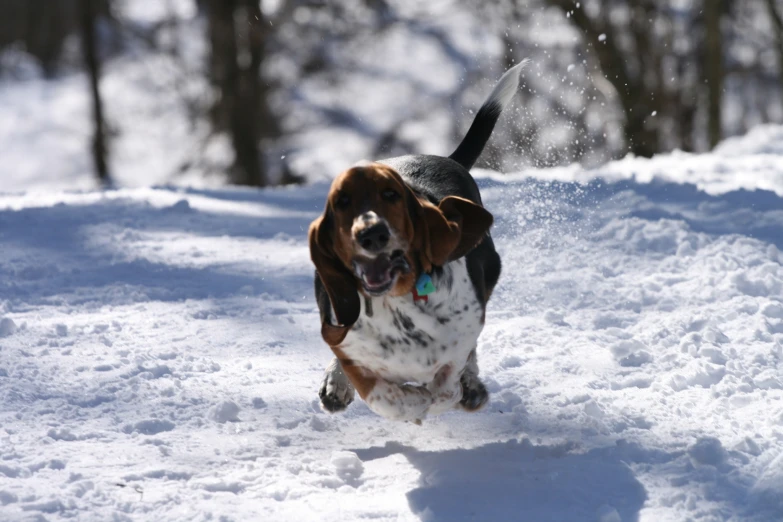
x: 405, y: 266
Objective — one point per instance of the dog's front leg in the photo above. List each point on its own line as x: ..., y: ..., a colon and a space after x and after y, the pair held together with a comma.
x: 474, y: 393
x: 336, y: 391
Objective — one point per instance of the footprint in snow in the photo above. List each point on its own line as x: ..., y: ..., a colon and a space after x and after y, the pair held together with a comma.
x: 6, y: 497
x: 7, y: 327
x: 149, y: 427
x: 555, y: 318
x: 772, y: 310
x: 630, y: 353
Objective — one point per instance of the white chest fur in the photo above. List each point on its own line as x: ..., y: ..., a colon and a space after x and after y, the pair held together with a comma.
x: 407, y: 341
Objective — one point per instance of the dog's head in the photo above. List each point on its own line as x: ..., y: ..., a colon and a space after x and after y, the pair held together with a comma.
x: 376, y: 236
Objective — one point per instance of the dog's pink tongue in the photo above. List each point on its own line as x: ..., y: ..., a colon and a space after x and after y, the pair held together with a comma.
x: 376, y: 271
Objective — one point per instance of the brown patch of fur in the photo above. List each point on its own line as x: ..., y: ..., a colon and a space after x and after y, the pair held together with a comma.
x: 362, y: 379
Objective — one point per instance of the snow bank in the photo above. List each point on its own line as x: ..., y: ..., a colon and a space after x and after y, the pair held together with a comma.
x: 747, y: 162
x: 160, y: 357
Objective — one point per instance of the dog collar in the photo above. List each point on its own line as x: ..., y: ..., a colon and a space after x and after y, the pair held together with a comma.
x: 424, y: 287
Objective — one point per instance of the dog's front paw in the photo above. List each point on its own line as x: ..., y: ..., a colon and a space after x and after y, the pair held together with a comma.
x: 335, y: 393
x: 474, y: 393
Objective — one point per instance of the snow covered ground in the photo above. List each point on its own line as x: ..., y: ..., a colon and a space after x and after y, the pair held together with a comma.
x: 160, y: 357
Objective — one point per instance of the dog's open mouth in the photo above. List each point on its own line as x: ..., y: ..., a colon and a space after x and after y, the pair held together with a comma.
x: 379, y: 274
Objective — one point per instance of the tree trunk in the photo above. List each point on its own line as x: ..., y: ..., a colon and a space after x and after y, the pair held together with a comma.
x: 777, y: 26
x: 713, y: 69
x: 89, y: 10
x: 223, y: 68
x: 237, y: 34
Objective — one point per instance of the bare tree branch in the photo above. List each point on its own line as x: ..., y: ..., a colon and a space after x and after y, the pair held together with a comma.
x: 89, y: 14
x: 635, y: 99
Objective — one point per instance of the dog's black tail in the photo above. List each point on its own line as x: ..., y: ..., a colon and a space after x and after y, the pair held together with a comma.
x: 481, y: 129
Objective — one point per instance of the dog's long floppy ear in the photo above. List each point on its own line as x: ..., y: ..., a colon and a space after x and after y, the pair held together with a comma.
x: 450, y: 230
x: 339, y: 282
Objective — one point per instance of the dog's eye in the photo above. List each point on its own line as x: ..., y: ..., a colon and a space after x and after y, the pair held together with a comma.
x: 390, y: 195
x: 343, y: 201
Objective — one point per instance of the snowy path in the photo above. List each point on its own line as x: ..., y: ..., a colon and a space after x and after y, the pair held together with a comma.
x: 159, y: 359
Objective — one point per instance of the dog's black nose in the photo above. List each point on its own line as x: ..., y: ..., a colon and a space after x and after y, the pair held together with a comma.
x: 374, y: 238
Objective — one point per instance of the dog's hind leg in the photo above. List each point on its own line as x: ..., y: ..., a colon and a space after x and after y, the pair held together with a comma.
x: 336, y: 391
x: 474, y: 393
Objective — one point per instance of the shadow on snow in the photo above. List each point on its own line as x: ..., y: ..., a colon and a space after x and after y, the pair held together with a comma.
x: 519, y: 481
x: 52, y: 251
x: 48, y: 254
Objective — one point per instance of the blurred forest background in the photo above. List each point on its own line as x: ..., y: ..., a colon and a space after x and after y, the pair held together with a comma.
x: 138, y: 92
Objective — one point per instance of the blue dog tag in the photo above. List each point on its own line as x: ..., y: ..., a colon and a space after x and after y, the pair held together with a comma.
x: 425, y: 286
